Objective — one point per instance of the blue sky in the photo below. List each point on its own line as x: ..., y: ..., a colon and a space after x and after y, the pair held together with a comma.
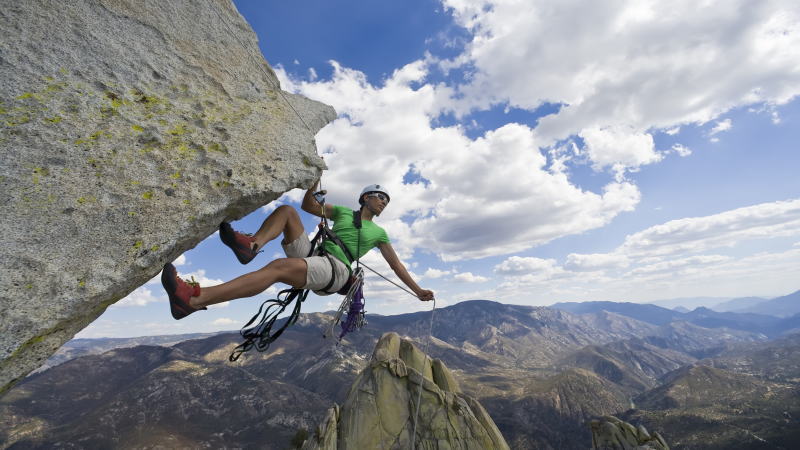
x: 539, y: 151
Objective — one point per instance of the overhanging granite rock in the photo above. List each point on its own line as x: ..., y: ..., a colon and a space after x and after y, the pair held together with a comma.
x: 381, y: 407
x: 129, y: 130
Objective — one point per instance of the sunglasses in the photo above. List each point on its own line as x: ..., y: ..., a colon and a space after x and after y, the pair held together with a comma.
x: 379, y: 196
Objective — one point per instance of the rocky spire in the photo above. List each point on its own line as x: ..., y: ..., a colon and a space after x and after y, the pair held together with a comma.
x: 129, y: 130
x: 381, y: 407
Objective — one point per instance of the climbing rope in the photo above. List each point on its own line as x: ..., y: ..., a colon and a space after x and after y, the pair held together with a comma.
x: 422, y: 377
x: 390, y: 281
x: 425, y: 351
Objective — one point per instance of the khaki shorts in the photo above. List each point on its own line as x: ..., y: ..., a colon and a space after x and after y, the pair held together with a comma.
x: 318, y: 274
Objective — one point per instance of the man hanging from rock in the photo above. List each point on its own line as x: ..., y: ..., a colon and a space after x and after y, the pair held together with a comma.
x: 323, y: 274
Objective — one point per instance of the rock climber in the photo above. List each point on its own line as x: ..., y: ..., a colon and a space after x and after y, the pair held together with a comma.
x: 324, y: 275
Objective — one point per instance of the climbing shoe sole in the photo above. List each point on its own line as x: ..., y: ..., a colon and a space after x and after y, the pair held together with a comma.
x: 236, y: 243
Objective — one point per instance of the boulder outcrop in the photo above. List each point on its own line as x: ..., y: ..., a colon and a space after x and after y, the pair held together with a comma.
x: 129, y: 130
x: 381, y: 408
x: 610, y: 433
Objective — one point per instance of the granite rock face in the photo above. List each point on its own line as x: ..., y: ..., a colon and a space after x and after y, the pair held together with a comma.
x: 129, y: 130
x: 381, y: 408
x: 610, y: 433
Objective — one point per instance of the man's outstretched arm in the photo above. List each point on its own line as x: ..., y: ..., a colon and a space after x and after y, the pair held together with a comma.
x: 400, y: 270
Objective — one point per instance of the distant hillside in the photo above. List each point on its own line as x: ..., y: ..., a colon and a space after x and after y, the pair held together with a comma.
x: 81, y: 347
x: 785, y: 306
x: 756, y: 323
x: 699, y: 386
x: 738, y: 304
x: 634, y: 364
x: 715, y: 409
x: 776, y: 360
x: 689, y: 303
x: 541, y: 373
x: 639, y: 311
x: 769, y: 325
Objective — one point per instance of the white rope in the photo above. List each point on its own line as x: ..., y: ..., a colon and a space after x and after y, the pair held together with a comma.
x: 390, y: 281
x: 425, y: 352
x: 422, y: 377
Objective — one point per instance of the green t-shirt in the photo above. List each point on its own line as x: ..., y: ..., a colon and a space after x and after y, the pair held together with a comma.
x: 371, y: 234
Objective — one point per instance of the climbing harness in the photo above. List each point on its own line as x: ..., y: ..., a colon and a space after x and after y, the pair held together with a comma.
x: 353, y: 290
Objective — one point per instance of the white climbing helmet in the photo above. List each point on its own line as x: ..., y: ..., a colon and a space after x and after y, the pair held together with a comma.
x: 370, y: 189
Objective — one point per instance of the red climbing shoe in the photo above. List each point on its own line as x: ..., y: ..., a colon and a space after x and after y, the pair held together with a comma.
x: 179, y: 291
x: 238, y: 242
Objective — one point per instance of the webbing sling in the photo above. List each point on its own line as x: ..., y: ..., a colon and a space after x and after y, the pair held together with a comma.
x: 261, y: 335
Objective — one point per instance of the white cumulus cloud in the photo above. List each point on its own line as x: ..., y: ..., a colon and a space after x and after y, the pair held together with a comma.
x: 432, y: 273
x: 141, y: 296
x: 469, y: 277
x: 697, y: 234
x: 639, y: 64
x: 722, y: 125
x: 224, y: 321
x: 681, y: 150
x: 518, y: 265
x: 476, y: 197
x: 597, y: 261
x: 619, y: 147
x: 715, y: 255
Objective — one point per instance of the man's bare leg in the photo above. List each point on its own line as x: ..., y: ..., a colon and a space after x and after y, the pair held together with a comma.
x: 291, y: 271
x: 284, y: 219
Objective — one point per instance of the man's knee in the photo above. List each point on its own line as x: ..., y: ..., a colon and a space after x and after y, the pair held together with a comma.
x: 288, y: 211
x: 293, y: 226
x: 286, y: 265
x: 288, y: 270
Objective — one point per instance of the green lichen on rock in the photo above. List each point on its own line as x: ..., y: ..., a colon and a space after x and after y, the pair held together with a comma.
x: 39, y: 172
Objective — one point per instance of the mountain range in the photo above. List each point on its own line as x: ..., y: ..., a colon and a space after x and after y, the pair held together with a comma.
x: 784, y: 306
x: 769, y: 325
x: 541, y: 373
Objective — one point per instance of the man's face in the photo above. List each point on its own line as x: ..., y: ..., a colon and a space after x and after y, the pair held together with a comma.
x: 376, y: 202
